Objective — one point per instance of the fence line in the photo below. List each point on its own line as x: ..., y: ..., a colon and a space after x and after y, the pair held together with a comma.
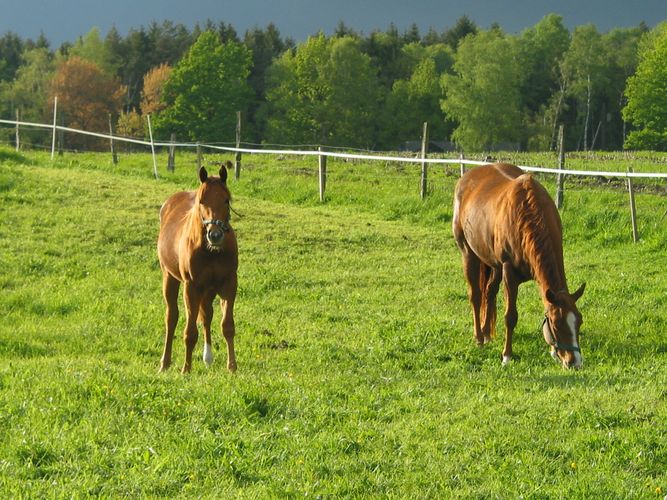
x: 331, y: 154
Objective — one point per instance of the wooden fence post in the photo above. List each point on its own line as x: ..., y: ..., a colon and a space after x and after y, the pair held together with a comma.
x: 171, y: 161
x: 422, y: 190
x: 53, y: 139
x: 198, y: 157
x: 150, y: 133
x: 237, y: 156
x: 633, y: 210
x: 61, y: 134
x: 463, y: 167
x: 18, y: 138
x: 322, y: 163
x: 114, y: 156
x: 561, y: 166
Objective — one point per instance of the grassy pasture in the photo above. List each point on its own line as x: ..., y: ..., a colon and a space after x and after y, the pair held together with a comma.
x: 358, y: 375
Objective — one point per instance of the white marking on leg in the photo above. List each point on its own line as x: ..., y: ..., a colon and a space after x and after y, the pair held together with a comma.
x: 208, y: 354
x: 506, y: 360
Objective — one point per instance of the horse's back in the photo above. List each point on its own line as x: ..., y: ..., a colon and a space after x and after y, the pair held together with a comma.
x: 176, y: 206
x: 483, y: 196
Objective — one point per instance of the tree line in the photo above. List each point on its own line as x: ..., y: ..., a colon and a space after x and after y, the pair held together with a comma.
x: 478, y: 89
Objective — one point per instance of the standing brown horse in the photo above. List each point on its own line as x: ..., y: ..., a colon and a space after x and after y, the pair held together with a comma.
x: 507, y: 227
x: 197, y: 247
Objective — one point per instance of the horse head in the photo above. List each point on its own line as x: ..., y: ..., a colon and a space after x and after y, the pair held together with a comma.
x: 561, y: 325
x: 213, y: 205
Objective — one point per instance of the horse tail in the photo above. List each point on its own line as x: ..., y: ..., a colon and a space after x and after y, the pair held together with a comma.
x: 487, y: 310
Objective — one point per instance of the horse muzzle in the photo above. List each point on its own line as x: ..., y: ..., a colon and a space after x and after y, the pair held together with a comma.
x: 215, y: 237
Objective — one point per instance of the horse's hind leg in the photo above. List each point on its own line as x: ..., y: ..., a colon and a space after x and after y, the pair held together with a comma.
x: 492, y: 280
x: 227, y: 324
x: 205, y: 318
x: 471, y: 269
x: 170, y: 287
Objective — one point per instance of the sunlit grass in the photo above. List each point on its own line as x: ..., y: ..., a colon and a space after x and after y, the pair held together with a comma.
x: 358, y: 375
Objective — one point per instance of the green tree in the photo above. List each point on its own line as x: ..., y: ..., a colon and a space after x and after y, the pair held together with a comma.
x: 11, y: 48
x: 483, y: 95
x: 206, y: 89
x: 585, y: 76
x: 411, y: 103
x: 621, y: 47
x: 92, y: 48
x: 324, y: 92
x: 647, y: 94
x: 463, y: 27
x: 29, y: 91
x: 542, y: 49
x: 266, y: 46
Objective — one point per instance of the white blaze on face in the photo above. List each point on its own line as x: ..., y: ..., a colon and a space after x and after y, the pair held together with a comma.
x: 208, y: 354
x: 572, y: 323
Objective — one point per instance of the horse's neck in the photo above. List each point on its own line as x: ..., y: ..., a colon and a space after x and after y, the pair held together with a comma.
x: 547, y: 268
x: 195, y: 233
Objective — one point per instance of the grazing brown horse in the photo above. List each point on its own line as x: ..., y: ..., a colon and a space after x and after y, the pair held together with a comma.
x: 508, y: 228
x: 197, y: 247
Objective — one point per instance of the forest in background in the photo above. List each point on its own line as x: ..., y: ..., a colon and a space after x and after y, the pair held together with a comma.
x: 478, y: 89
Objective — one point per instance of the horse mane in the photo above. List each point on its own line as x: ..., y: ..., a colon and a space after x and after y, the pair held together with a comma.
x: 537, y: 219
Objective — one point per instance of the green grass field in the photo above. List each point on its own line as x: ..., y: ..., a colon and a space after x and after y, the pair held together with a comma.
x: 358, y: 375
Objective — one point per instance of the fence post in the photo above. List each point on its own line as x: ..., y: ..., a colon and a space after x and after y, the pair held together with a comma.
x: 150, y: 133
x: 114, y: 156
x: 61, y: 134
x: 171, y: 161
x: 561, y: 166
x: 237, y: 156
x: 633, y: 211
x: 53, y: 139
x: 18, y: 139
x: 198, y: 157
x: 463, y: 167
x: 322, y: 163
x: 422, y: 191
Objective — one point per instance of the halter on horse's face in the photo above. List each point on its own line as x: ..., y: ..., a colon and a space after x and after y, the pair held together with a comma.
x: 561, y: 325
x: 214, y: 208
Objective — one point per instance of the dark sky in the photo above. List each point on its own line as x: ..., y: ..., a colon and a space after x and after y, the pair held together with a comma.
x: 66, y: 20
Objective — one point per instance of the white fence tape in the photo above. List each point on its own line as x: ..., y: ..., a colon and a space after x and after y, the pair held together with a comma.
x: 457, y: 161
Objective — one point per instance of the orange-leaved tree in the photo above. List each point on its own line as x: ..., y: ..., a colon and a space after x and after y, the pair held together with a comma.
x: 86, y: 97
x: 151, y: 95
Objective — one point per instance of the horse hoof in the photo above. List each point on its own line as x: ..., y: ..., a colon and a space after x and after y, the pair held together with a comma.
x: 506, y: 360
x: 232, y: 368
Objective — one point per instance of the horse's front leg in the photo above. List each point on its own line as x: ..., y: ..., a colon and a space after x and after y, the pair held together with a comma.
x: 192, y: 297
x: 170, y: 287
x: 205, y: 318
x: 228, y: 330
x: 511, y: 315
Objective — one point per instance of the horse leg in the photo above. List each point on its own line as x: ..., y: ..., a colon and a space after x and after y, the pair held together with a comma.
x: 205, y: 317
x: 490, y: 293
x: 471, y: 269
x: 170, y: 287
x: 227, y: 323
x: 192, y: 297
x: 511, y: 315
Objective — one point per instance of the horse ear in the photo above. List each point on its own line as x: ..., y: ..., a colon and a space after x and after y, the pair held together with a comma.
x: 203, y: 174
x: 223, y: 174
x: 551, y: 297
x: 576, y: 295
